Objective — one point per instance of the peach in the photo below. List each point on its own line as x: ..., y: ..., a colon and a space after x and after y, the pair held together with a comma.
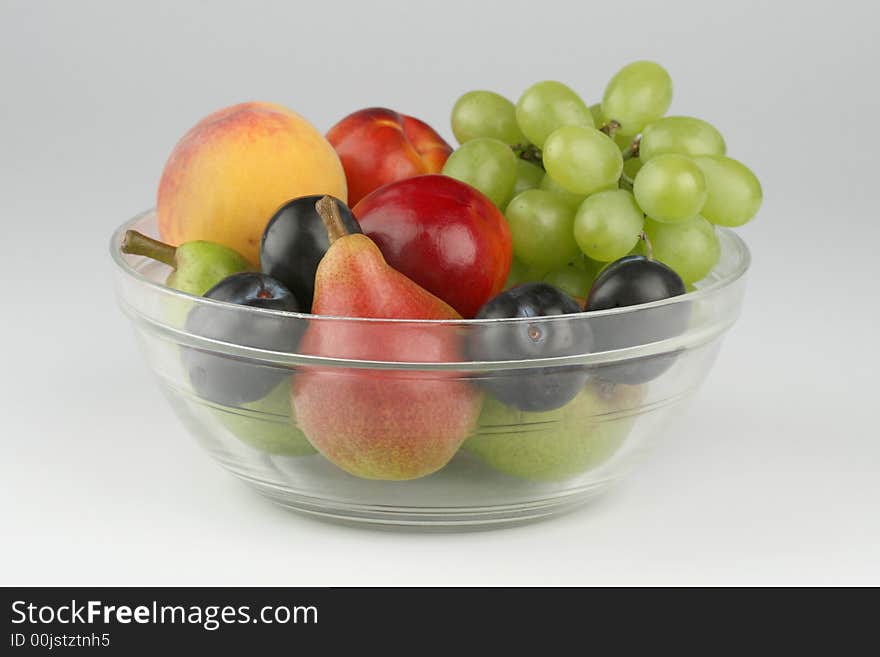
x: 226, y: 177
x: 378, y: 146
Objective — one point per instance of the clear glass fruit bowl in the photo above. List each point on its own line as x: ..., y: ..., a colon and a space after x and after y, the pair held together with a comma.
x: 416, y: 433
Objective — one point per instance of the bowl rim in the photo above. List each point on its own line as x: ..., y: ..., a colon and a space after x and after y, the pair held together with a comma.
x: 122, y: 262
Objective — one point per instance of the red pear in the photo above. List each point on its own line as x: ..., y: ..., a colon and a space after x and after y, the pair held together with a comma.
x: 388, y: 424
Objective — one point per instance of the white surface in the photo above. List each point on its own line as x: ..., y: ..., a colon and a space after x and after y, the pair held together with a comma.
x: 771, y: 477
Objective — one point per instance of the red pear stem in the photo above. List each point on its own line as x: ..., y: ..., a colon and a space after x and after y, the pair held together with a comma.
x: 137, y: 243
x: 329, y: 213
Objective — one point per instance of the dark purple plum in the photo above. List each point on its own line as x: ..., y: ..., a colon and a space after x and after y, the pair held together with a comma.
x: 531, y: 389
x: 234, y: 381
x: 631, y: 281
x: 294, y: 242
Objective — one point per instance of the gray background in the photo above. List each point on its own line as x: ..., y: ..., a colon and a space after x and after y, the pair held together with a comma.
x: 770, y: 477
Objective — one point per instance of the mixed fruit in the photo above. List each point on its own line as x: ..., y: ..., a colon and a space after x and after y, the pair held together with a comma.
x: 548, y: 207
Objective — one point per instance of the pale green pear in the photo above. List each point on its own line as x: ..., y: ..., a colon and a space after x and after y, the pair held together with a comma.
x: 267, y: 424
x: 198, y: 265
x: 559, y: 444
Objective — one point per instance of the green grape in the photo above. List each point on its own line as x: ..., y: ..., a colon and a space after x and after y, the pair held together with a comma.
x: 582, y: 160
x: 580, y: 262
x: 680, y: 134
x: 550, y: 185
x: 631, y: 167
x: 535, y: 274
x: 690, y: 248
x: 607, y: 225
x: 485, y: 114
x: 590, y: 266
x: 517, y: 274
x: 571, y: 280
x: 548, y: 105
x: 586, y: 265
x: 670, y: 188
x: 487, y: 164
x: 623, y: 141
x: 734, y: 192
x: 528, y: 176
x: 522, y: 273
x: 637, y: 95
x: 640, y: 248
x: 542, y: 228
x: 598, y: 118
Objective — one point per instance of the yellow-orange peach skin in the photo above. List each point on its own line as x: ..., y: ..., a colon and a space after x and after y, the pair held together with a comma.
x: 232, y: 170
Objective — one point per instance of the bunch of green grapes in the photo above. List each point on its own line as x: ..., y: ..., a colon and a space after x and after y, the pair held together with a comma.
x: 581, y: 185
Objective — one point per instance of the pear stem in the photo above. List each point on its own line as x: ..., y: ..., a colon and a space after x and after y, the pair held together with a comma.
x: 329, y: 213
x: 137, y: 243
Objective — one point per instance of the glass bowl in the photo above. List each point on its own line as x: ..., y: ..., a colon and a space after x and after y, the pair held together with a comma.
x: 414, y: 430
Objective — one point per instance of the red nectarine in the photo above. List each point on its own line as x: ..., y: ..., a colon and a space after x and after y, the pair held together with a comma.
x: 378, y: 146
x: 443, y: 234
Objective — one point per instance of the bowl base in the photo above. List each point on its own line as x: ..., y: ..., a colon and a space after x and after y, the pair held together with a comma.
x: 426, y: 519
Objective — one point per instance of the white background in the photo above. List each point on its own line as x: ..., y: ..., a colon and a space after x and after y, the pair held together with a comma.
x: 770, y: 477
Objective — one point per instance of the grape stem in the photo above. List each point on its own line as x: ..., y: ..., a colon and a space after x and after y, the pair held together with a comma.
x: 610, y: 128
x: 529, y: 153
x: 136, y: 243
x: 649, y: 250
x: 633, y: 149
x: 625, y: 182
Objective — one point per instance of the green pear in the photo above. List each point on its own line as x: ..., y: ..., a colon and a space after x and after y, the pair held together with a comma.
x: 198, y: 265
x: 559, y: 444
x: 267, y: 424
